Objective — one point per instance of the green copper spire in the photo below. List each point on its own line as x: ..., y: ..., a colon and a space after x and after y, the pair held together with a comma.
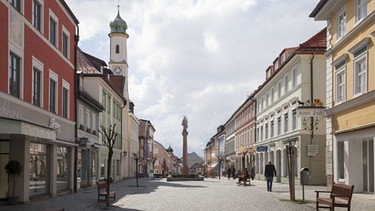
x: 118, y: 25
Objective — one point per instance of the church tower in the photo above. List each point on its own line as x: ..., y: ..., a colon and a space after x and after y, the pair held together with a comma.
x: 118, y: 48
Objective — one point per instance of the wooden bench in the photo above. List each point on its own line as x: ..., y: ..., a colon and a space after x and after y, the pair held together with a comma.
x: 339, y: 196
x: 102, y: 191
x: 244, y: 180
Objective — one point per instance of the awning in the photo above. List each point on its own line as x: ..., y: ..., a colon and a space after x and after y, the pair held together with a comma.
x: 17, y: 126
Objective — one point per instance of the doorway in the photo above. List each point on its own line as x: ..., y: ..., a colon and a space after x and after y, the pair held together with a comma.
x: 368, y: 165
x: 4, y: 158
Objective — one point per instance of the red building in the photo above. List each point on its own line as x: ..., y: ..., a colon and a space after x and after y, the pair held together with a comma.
x: 37, y: 96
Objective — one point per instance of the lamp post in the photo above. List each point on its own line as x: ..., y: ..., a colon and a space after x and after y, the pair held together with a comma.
x: 291, y: 153
x: 136, y: 158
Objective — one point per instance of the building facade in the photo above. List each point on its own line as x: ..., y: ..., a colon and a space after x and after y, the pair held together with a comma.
x: 245, y: 134
x: 88, y: 110
x: 350, y: 91
x: 146, y: 140
x: 37, y: 96
x: 292, y: 80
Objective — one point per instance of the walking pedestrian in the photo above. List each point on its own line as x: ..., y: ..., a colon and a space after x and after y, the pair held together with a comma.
x: 269, y: 172
x: 229, y: 172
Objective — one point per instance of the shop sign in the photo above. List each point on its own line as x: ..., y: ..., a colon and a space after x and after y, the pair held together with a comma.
x: 262, y: 148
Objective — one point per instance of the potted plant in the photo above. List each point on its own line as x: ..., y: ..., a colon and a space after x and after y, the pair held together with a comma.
x: 13, y: 168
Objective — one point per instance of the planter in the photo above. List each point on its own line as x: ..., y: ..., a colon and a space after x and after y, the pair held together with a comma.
x: 12, y: 200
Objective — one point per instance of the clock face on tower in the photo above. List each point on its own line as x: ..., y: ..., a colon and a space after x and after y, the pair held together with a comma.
x: 117, y: 70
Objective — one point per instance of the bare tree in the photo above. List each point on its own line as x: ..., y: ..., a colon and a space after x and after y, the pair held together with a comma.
x: 109, y: 136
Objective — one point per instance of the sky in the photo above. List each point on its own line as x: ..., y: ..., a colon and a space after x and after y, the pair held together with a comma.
x: 195, y: 58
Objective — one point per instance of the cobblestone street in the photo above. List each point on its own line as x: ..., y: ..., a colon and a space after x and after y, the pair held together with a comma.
x: 210, y: 194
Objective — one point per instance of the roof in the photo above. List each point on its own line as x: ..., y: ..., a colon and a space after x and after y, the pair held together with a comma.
x: 319, y: 40
x: 91, y: 66
x: 194, y: 159
x: 96, y: 62
x: 84, y: 65
x: 118, y: 25
x: 318, y: 7
x: 69, y: 11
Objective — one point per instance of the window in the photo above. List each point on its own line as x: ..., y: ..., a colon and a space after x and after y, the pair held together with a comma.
x: 65, y: 101
x: 65, y: 45
x: 36, y: 86
x: 279, y: 89
x: 81, y: 115
x: 272, y: 128
x: 117, y: 49
x: 341, y: 24
x: 282, y: 58
x: 53, y: 92
x: 286, y: 121
x: 267, y: 100
x: 14, y: 75
x: 39, y: 168
x: 294, y: 72
x: 37, y: 14
x: 275, y: 64
x: 52, y: 95
x: 93, y: 120
x: 361, y: 10
x: 286, y: 88
x: 272, y: 95
x: 266, y: 131
x: 16, y: 4
x: 294, y: 123
x: 62, y: 168
x: 360, y: 71
x: 278, y: 125
x: 261, y: 132
x: 88, y: 119
x: 340, y: 82
x: 53, y: 30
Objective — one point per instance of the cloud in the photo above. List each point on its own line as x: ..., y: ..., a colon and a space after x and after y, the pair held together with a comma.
x: 199, y: 58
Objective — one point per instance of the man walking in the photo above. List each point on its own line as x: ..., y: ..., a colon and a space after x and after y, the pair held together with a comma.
x: 269, y: 172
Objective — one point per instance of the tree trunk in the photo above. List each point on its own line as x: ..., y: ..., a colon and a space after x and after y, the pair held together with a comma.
x: 109, y: 166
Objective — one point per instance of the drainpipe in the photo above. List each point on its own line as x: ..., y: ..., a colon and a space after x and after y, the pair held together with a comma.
x: 76, y: 87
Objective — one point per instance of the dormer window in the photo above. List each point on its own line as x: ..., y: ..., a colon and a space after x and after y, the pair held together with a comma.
x: 282, y: 58
x: 275, y: 64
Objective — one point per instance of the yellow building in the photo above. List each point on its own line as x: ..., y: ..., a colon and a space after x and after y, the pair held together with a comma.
x: 350, y: 90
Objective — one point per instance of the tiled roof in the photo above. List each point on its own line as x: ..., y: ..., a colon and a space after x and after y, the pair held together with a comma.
x: 319, y: 40
x: 118, y: 82
x: 98, y: 63
x: 83, y: 64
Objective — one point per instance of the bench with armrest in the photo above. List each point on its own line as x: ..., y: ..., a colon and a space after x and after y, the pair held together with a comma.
x: 245, y: 179
x: 339, y: 196
x: 102, y: 191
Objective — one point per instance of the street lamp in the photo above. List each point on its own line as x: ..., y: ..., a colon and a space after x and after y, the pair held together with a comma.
x: 290, y: 148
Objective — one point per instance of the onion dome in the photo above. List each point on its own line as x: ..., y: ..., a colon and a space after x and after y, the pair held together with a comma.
x: 118, y: 25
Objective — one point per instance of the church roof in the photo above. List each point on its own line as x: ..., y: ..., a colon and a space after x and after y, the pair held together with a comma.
x: 118, y: 25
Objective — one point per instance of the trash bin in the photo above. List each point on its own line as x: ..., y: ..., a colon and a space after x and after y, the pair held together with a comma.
x: 304, y: 176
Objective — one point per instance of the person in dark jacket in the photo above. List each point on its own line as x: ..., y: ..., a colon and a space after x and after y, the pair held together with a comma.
x: 229, y: 172
x: 269, y: 172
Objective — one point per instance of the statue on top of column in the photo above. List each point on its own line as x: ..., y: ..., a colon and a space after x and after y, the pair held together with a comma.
x: 185, y: 123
